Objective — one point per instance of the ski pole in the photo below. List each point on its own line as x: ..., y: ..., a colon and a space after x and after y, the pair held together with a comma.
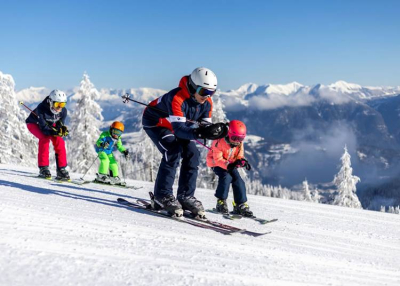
x: 126, y: 98
x: 204, y: 145
x: 90, y: 167
x: 37, y: 115
x: 28, y: 108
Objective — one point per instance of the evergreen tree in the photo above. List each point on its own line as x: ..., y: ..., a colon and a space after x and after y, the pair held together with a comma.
x: 346, y: 184
x: 84, y: 128
x: 18, y: 145
x: 306, y: 191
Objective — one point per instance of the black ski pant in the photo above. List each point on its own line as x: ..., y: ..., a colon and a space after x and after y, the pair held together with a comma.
x: 224, y: 182
x: 173, y: 150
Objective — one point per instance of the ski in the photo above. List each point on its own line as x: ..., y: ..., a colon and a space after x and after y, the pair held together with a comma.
x: 119, y: 185
x: 189, y: 215
x: 233, y: 216
x: 82, y: 182
x: 179, y: 219
x: 227, y: 216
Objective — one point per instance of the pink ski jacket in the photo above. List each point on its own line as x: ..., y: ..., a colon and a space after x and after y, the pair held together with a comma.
x: 222, y: 154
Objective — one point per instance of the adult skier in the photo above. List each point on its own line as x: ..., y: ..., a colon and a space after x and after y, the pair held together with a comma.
x: 108, y: 169
x: 225, y: 156
x: 172, y: 121
x: 46, y: 122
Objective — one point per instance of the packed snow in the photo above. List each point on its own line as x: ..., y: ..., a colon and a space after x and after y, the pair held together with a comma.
x: 66, y: 234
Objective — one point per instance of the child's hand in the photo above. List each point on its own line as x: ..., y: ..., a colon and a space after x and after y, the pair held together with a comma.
x: 104, y: 144
x: 239, y: 163
x: 126, y: 154
x: 245, y: 164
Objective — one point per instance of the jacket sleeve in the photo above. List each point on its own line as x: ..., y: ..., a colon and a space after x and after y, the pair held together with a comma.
x: 120, y: 147
x: 218, y: 156
x: 44, y: 126
x: 101, y: 139
x: 178, y: 119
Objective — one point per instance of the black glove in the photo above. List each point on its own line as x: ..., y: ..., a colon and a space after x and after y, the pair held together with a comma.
x: 212, y: 131
x: 104, y: 144
x: 62, y: 131
x: 234, y: 165
x: 245, y: 164
x: 126, y: 154
x: 239, y: 163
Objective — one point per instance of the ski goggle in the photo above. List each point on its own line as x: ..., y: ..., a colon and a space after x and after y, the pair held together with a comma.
x: 205, y: 92
x: 57, y: 104
x: 116, y: 132
x: 235, y: 138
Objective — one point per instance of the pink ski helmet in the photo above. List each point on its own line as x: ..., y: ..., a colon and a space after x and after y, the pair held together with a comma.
x: 237, y: 131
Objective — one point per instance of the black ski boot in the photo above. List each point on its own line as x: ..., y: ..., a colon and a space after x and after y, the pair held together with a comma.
x: 222, y: 207
x: 62, y: 174
x: 44, y: 172
x: 193, y: 205
x: 168, y: 203
x: 242, y: 209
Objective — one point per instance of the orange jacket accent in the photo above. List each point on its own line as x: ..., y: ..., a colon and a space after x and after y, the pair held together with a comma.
x: 222, y: 154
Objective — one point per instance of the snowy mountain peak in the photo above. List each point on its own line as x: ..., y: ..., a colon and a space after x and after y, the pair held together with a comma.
x: 345, y: 87
x: 284, y: 89
x: 247, y: 88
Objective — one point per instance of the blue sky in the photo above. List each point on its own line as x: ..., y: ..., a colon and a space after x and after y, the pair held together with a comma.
x: 123, y: 44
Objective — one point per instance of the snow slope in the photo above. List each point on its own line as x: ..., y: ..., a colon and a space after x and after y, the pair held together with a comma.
x: 65, y: 234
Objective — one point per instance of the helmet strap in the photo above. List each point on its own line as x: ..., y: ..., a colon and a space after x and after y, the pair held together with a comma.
x: 192, y: 87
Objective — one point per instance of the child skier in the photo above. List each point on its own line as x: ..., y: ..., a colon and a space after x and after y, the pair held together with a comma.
x: 108, y: 169
x: 225, y: 156
x: 46, y: 122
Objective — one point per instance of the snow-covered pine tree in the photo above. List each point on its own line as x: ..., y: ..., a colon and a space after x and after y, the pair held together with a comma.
x: 84, y: 128
x: 18, y: 145
x: 306, y: 191
x: 346, y: 184
x: 315, y: 195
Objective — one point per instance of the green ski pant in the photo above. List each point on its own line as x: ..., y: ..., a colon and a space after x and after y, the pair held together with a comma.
x: 108, y: 164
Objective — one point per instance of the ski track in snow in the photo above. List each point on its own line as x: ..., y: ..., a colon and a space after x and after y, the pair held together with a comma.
x: 65, y: 234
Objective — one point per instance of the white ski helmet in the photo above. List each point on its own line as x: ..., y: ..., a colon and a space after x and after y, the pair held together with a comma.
x: 56, y: 96
x: 203, y: 77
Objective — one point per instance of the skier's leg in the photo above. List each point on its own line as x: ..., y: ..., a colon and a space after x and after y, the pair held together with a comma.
x: 239, y: 194
x: 188, y: 177
x: 167, y: 144
x: 104, y: 163
x: 113, y: 166
x: 114, y: 173
x: 224, y: 182
x: 239, y: 188
x: 44, y: 142
x: 189, y: 169
x: 221, y: 193
x: 59, y: 149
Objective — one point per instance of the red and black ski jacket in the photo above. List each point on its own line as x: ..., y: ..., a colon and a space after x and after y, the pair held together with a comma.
x: 174, y: 109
